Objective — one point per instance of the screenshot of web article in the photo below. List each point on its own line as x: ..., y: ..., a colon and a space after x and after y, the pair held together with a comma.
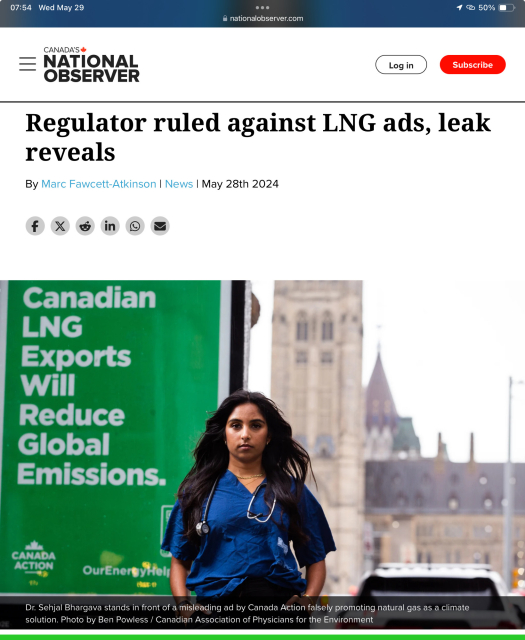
x: 262, y: 300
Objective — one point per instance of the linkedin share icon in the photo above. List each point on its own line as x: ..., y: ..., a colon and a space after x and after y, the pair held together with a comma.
x: 110, y: 226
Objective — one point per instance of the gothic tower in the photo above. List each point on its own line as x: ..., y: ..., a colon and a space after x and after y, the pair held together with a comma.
x: 316, y: 380
x: 381, y: 415
x: 388, y: 435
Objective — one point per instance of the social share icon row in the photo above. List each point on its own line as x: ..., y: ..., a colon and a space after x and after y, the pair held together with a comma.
x: 109, y: 226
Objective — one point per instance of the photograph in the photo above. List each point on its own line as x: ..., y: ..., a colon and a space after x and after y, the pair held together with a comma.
x: 235, y: 451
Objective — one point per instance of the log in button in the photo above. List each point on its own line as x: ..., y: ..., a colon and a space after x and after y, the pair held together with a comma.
x: 401, y: 65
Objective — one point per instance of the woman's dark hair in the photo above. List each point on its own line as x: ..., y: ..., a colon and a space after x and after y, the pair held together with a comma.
x: 284, y: 460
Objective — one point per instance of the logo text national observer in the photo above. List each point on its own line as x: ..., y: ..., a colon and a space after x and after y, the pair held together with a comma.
x: 90, y: 68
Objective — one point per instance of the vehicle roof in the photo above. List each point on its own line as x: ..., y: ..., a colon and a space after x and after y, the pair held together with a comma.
x: 400, y: 570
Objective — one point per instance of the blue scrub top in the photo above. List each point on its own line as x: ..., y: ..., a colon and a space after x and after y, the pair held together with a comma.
x: 237, y: 548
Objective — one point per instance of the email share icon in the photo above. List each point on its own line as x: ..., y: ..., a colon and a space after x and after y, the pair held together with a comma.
x: 160, y: 226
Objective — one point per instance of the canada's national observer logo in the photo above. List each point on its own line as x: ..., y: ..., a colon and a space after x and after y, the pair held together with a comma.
x: 33, y: 559
x: 76, y: 64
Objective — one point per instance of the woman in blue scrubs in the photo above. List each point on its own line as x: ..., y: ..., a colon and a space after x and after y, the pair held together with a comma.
x: 239, y: 508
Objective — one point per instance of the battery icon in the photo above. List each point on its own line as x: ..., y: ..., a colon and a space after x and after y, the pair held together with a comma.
x: 506, y: 7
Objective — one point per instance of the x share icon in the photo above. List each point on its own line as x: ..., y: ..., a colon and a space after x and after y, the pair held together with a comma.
x: 60, y: 226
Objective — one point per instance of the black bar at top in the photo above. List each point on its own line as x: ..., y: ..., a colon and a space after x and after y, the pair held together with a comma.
x: 237, y: 335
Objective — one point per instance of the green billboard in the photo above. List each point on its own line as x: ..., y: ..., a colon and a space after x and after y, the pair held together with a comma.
x: 104, y: 389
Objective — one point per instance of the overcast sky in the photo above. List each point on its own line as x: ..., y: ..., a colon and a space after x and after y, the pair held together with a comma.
x: 448, y: 350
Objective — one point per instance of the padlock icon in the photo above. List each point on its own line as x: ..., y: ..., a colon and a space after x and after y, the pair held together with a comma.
x: 225, y: 18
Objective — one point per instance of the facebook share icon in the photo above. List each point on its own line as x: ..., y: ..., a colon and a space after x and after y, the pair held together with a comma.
x: 35, y: 226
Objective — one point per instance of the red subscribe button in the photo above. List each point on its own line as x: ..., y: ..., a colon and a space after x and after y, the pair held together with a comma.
x: 472, y: 64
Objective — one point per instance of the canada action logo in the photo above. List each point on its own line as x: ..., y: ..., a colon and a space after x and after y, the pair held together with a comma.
x: 33, y: 559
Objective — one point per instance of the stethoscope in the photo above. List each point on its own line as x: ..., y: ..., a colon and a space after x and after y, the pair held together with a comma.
x: 203, y: 528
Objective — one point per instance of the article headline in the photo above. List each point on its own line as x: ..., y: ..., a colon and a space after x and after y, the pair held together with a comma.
x: 247, y: 127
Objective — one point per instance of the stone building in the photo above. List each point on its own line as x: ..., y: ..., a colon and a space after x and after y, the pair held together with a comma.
x: 316, y: 380
x: 431, y: 509
x: 435, y: 510
x: 416, y: 509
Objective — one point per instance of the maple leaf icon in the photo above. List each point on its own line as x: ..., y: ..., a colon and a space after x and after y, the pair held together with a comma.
x: 34, y: 546
x: 83, y: 49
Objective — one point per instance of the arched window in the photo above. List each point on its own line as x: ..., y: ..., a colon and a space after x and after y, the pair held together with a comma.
x: 401, y: 500
x: 324, y: 447
x: 327, y: 330
x: 302, y: 327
